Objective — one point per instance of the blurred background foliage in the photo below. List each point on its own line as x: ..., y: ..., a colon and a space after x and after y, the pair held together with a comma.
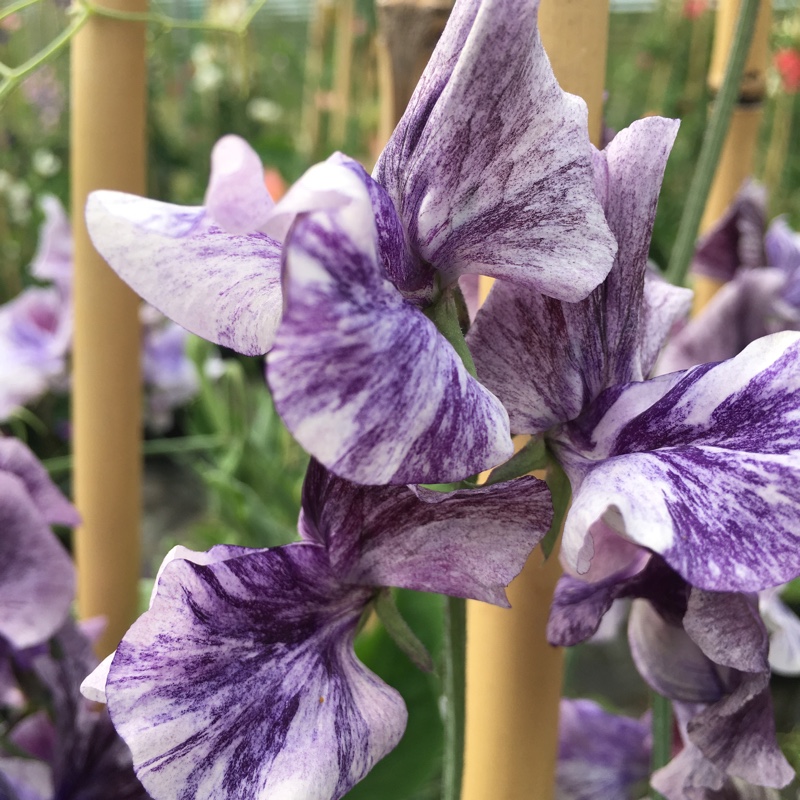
x: 227, y: 470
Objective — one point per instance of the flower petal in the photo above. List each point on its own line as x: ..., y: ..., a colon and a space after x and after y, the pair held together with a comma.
x: 490, y: 166
x: 237, y: 198
x: 53, y: 258
x: 784, y: 628
x: 782, y: 246
x: 702, y: 467
x: 361, y: 377
x: 37, y: 579
x: 467, y: 543
x: 241, y: 682
x: 547, y: 360
x: 223, y: 287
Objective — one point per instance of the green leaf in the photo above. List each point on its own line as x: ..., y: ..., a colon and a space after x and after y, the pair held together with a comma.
x: 401, y: 633
x: 561, y: 492
x: 532, y: 456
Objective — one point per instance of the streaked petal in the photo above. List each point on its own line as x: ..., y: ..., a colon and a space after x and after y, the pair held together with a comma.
x: 237, y: 198
x: 490, y: 166
x: 702, y: 467
x: 784, y: 632
x: 737, y: 240
x: 241, y: 682
x: 223, y: 287
x: 467, y: 543
x: 37, y: 579
x: 547, y: 360
x: 361, y: 377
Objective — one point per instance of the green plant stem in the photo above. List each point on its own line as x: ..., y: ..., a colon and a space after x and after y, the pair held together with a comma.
x: 455, y: 683
x: 153, y: 447
x: 18, y: 6
x: 712, y: 144
x: 662, y: 736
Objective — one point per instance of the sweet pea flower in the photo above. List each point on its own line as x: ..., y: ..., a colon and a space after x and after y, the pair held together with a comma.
x: 71, y: 749
x: 708, y: 653
x: 489, y: 172
x: 758, y: 299
x: 37, y: 580
x: 600, y: 754
x: 241, y: 680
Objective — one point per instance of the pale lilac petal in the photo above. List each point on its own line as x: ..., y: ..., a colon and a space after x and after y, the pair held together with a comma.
x: 20, y: 383
x: 27, y: 778
x: 490, y: 166
x: 241, y: 682
x: 361, y: 377
x: 736, y: 240
x: 784, y: 632
x: 93, y: 686
x: 701, y: 467
x: 600, y: 755
x: 547, y: 360
x: 467, y: 543
x: 18, y: 460
x: 739, y: 313
x: 237, y: 198
x: 665, y: 308
x: 668, y: 659
x: 782, y: 246
x: 53, y: 258
x: 37, y: 579
x: 223, y: 287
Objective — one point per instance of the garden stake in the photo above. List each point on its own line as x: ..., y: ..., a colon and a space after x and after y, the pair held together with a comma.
x: 108, y: 151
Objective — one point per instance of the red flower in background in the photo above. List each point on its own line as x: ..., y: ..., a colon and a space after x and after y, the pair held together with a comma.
x: 787, y: 62
x: 692, y: 9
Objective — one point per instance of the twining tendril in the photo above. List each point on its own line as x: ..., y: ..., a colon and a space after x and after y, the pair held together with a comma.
x: 80, y: 13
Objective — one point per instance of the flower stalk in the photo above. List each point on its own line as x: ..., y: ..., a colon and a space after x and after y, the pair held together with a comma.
x: 455, y: 658
x: 662, y: 736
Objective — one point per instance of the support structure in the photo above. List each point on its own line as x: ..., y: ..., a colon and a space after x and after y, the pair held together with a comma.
x: 737, y: 162
x: 108, y: 152
x: 514, y: 676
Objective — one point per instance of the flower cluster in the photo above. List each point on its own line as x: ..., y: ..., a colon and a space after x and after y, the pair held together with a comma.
x: 240, y: 681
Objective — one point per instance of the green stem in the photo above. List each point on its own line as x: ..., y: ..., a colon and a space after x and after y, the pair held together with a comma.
x: 712, y: 144
x: 444, y: 315
x: 455, y: 682
x: 18, y: 6
x: 153, y: 447
x: 662, y: 736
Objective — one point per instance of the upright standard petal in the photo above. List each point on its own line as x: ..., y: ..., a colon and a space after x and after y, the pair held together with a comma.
x: 702, y: 467
x: 241, y: 682
x: 221, y: 286
x: 469, y: 543
x: 37, y: 579
x: 547, y: 360
x: 490, y: 166
x: 361, y: 377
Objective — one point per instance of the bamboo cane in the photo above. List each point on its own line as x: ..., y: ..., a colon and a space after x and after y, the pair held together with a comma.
x: 343, y: 68
x: 514, y: 676
x: 108, y: 151
x: 736, y: 163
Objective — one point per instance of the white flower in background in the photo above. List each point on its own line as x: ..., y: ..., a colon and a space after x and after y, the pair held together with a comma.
x: 208, y: 75
x: 46, y: 163
x: 261, y: 109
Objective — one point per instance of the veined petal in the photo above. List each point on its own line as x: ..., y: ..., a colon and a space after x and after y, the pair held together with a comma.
x: 467, y: 543
x: 490, y: 166
x: 241, y: 682
x: 237, y: 198
x: 37, y: 579
x: 784, y: 632
x: 361, y: 377
x: 702, y: 467
x: 221, y: 286
x: 547, y: 360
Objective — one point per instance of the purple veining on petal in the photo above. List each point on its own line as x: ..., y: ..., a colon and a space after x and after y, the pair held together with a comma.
x: 736, y: 240
x: 467, y: 543
x: 237, y: 198
x: 223, y: 287
x: 660, y: 461
x: 237, y: 667
x: 361, y: 377
x: 490, y: 167
x: 548, y: 360
x: 600, y: 755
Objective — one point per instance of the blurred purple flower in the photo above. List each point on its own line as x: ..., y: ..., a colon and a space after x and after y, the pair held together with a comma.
x: 601, y: 756
x: 241, y: 681
x: 45, y: 93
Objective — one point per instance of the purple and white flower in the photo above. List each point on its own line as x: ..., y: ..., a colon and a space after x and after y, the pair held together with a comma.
x: 488, y: 172
x: 241, y: 680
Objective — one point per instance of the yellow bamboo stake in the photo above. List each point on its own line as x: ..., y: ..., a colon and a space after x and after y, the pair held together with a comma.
x: 514, y: 676
x: 737, y: 161
x: 108, y: 151
x: 343, y: 69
